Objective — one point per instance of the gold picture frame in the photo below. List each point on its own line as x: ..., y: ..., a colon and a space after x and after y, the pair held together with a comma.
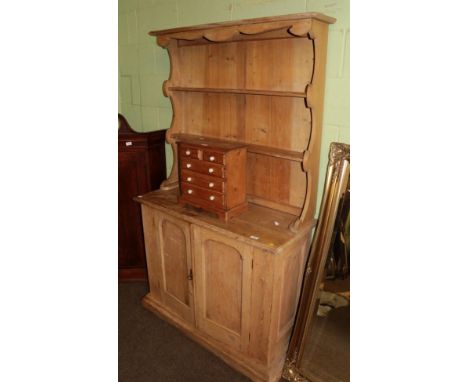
x: 336, y: 183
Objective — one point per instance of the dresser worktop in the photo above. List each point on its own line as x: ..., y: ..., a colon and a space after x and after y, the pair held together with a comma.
x: 259, y: 226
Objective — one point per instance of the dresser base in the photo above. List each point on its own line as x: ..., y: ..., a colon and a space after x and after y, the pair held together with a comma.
x: 253, y: 370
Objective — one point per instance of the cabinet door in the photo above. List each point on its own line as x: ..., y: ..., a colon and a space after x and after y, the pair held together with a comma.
x: 169, y: 262
x: 222, y: 287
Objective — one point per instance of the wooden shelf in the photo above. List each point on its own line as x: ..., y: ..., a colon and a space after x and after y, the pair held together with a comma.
x: 259, y: 20
x: 256, y: 149
x: 240, y: 91
x: 275, y: 152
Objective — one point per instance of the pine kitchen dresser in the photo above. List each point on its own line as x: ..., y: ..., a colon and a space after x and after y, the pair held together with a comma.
x: 233, y: 284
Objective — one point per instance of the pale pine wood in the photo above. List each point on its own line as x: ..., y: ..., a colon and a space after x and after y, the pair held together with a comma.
x: 244, y: 67
x: 151, y: 248
x: 292, y: 274
x: 177, y: 119
x: 174, y: 262
x: 256, y: 25
x: 260, y: 311
x: 244, y: 298
x: 314, y: 100
x: 280, y: 32
x: 282, y: 182
x: 168, y: 254
x: 271, y: 119
x: 296, y: 156
x: 261, y: 227
x: 286, y: 289
x: 277, y: 153
x: 257, y: 83
x: 222, y: 287
x: 240, y: 91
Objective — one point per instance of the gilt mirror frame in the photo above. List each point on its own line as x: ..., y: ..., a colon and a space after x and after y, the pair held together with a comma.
x: 336, y: 183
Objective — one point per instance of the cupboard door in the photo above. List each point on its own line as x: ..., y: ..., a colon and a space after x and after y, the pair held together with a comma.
x: 169, y: 262
x: 222, y: 287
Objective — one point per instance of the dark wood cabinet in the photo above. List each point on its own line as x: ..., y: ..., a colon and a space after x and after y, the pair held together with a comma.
x: 142, y: 168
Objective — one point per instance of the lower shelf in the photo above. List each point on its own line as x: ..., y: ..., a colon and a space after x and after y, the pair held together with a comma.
x: 279, y: 93
x: 296, y: 156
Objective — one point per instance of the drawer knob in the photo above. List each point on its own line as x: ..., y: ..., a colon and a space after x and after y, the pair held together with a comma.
x: 212, y: 158
x: 212, y: 197
x: 190, y: 191
x: 210, y: 170
x: 189, y: 179
x: 211, y: 184
x: 189, y: 165
x: 187, y: 152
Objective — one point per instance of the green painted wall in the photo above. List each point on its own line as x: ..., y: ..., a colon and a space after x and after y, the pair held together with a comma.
x: 143, y: 66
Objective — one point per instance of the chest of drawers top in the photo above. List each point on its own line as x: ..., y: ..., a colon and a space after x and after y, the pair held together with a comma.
x: 212, y: 175
x: 210, y: 150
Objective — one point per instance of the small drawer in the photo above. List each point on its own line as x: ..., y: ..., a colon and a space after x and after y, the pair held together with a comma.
x: 186, y: 151
x: 213, y: 156
x: 202, y: 167
x: 209, y: 197
x: 204, y: 181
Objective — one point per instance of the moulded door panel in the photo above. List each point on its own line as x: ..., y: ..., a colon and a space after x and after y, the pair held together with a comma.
x: 174, y: 266
x: 222, y: 270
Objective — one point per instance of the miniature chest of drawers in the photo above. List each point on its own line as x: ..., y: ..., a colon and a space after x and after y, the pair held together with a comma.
x: 212, y: 176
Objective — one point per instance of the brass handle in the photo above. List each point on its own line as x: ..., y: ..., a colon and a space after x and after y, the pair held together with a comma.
x: 190, y: 276
x: 189, y: 165
x: 190, y: 191
x: 189, y: 179
x: 187, y: 152
x: 212, y: 197
x: 212, y: 158
x: 210, y: 170
x: 211, y: 184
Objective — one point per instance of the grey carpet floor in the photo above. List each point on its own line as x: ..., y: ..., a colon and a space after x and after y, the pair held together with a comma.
x: 151, y: 350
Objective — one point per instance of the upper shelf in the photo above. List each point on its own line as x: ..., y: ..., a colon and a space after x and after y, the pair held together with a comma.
x: 240, y: 91
x: 259, y: 20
